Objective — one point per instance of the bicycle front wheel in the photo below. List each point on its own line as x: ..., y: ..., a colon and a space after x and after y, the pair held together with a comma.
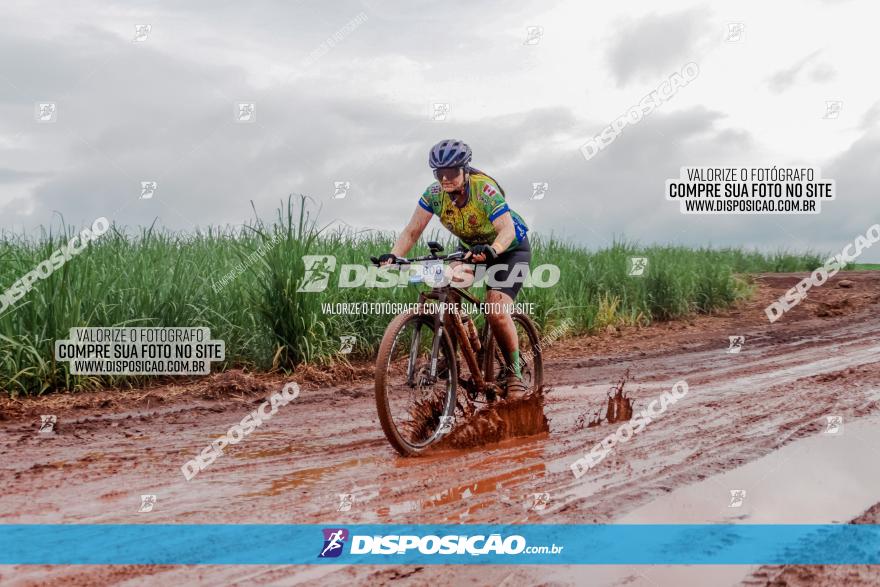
x: 415, y: 408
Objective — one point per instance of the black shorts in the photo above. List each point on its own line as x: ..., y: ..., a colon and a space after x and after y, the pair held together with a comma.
x: 521, y: 255
x: 510, y: 259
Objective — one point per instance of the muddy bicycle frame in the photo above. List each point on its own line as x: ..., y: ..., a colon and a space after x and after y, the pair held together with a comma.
x: 444, y: 319
x: 410, y: 408
x: 449, y: 296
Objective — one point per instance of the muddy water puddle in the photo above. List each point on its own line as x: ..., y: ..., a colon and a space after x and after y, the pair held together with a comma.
x: 826, y: 478
x: 302, y: 478
x: 431, y: 477
x: 465, y: 500
x: 823, y: 479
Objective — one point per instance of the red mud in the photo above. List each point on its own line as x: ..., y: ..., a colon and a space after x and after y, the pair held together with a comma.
x: 502, y: 420
x: 820, y: 358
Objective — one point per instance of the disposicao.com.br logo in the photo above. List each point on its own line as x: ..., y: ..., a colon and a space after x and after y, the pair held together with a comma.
x: 334, y: 540
x: 450, y: 544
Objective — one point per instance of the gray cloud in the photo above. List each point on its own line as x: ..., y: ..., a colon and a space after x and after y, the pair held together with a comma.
x: 871, y: 117
x: 619, y: 193
x: 651, y: 45
x: 823, y: 72
x: 818, y: 72
x: 15, y: 175
x: 856, y: 172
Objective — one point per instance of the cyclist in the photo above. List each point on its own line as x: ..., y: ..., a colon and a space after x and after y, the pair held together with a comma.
x: 472, y: 205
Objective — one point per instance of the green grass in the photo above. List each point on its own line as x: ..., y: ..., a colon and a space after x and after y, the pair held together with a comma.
x: 160, y: 278
x: 867, y: 267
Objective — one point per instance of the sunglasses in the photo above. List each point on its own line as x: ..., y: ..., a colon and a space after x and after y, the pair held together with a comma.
x: 447, y: 173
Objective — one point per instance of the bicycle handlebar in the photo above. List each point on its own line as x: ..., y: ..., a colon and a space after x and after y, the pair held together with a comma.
x: 456, y: 256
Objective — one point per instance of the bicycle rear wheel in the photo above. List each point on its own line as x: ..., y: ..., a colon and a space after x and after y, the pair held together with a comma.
x: 415, y: 409
x: 530, y: 358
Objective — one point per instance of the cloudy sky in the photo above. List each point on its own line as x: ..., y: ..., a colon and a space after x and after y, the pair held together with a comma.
x: 164, y: 109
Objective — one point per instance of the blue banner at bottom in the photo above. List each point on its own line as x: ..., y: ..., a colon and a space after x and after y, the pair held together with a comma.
x: 281, y: 544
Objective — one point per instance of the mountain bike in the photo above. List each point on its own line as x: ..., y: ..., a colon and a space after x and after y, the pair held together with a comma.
x: 420, y: 386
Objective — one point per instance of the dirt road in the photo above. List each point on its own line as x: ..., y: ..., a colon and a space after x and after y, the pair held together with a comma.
x: 820, y: 359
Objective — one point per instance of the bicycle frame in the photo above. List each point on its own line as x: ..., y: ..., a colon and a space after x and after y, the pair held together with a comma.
x: 444, y: 320
x: 439, y: 313
x: 446, y: 296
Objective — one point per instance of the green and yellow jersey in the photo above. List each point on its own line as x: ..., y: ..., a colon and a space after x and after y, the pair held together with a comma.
x: 472, y: 223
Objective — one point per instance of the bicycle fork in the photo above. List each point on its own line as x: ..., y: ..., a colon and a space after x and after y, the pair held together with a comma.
x: 461, y: 337
x: 416, y: 343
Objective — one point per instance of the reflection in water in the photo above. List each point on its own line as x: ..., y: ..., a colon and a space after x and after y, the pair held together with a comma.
x: 468, y: 495
x: 305, y: 477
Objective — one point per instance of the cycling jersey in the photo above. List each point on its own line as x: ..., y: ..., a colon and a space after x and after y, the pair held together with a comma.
x: 472, y: 223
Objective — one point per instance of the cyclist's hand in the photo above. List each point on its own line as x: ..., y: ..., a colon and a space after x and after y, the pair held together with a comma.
x: 387, y: 259
x: 462, y: 274
x: 482, y: 253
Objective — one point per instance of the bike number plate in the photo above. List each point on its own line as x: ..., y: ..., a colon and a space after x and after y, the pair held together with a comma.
x: 431, y: 273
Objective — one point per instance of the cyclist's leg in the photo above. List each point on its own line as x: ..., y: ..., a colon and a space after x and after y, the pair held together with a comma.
x: 504, y: 284
x: 498, y: 314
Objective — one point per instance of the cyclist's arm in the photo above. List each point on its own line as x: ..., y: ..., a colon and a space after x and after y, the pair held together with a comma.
x: 499, y: 215
x: 506, y: 232
x: 413, y: 231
